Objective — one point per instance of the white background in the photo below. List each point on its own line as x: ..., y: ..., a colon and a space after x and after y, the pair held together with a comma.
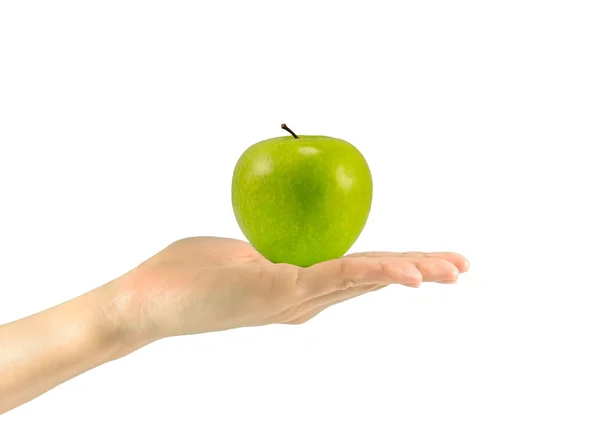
x: 120, y: 125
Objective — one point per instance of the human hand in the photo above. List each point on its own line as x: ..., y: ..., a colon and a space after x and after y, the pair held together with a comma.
x: 194, y: 285
x: 204, y: 284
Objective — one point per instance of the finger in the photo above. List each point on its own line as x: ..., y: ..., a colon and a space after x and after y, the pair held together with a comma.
x: 324, y: 302
x: 336, y: 297
x: 348, y: 272
x: 431, y: 270
x: 457, y: 259
x: 436, y: 269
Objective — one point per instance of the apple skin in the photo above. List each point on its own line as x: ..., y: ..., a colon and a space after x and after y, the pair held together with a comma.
x: 302, y: 200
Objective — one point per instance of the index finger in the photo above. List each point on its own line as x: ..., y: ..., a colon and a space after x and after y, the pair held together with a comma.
x: 460, y: 261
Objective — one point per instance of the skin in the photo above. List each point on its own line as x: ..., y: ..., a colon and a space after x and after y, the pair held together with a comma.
x: 195, y: 285
x: 302, y: 200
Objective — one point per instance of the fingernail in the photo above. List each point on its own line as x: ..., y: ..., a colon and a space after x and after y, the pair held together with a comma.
x: 447, y: 282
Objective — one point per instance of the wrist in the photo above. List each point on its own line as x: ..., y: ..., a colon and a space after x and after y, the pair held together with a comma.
x: 50, y: 347
x: 119, y: 331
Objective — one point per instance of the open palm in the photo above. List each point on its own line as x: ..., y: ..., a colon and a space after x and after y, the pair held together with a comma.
x: 203, y: 284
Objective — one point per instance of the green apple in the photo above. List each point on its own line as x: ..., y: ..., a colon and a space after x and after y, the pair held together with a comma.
x: 302, y: 199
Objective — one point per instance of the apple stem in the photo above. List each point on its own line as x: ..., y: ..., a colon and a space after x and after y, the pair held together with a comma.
x: 286, y: 128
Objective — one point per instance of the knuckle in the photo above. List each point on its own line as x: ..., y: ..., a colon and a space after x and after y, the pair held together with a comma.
x: 299, y: 288
x: 298, y: 321
x: 349, y: 282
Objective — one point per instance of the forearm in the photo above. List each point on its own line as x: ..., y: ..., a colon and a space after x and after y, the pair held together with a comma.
x: 46, y: 349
